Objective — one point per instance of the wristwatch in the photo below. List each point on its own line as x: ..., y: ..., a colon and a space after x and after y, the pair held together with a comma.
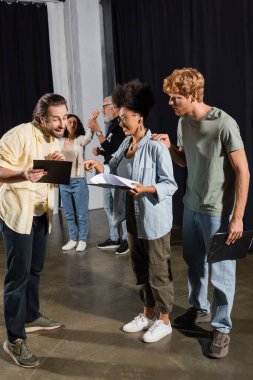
x: 99, y: 133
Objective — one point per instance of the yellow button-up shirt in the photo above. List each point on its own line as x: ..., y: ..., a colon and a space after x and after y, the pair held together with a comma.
x: 18, y: 148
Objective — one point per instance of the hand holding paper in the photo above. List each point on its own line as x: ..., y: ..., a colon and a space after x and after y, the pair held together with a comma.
x: 139, y: 189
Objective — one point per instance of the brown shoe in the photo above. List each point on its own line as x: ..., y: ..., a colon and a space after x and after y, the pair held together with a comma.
x: 219, y: 346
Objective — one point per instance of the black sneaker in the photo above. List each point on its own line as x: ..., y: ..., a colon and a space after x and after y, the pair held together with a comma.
x: 20, y: 353
x: 108, y: 244
x: 192, y: 316
x: 219, y: 346
x: 123, y: 248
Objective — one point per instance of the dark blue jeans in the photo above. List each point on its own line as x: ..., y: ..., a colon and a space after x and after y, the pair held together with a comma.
x: 25, y: 261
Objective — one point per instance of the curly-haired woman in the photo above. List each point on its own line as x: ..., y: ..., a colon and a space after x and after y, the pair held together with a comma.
x: 149, y: 207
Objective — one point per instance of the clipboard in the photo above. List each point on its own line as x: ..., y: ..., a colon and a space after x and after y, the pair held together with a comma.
x: 58, y: 171
x: 238, y: 250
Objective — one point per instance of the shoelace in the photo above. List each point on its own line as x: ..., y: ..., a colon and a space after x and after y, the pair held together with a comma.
x: 24, y: 350
x: 141, y: 317
x: 155, y: 324
x: 217, y: 337
x: 107, y: 241
x: 45, y: 317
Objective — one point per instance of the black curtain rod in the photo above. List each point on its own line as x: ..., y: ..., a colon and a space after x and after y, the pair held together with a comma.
x: 25, y: 2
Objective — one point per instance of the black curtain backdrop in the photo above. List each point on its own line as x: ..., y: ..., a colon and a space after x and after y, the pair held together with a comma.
x: 25, y: 65
x: 153, y: 37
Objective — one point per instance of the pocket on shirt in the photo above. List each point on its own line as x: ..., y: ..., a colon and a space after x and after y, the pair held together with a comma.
x: 148, y: 175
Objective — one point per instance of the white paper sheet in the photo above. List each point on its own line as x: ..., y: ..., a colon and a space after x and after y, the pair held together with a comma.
x: 111, y: 179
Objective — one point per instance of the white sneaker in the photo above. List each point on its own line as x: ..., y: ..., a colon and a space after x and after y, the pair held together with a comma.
x: 70, y: 245
x: 141, y: 322
x: 157, y: 331
x: 81, y: 246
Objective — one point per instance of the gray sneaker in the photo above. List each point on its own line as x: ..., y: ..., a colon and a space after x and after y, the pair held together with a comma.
x: 192, y: 316
x: 20, y: 353
x: 41, y: 323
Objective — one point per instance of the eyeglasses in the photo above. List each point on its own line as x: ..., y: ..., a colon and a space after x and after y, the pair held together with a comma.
x: 122, y: 119
x: 107, y: 104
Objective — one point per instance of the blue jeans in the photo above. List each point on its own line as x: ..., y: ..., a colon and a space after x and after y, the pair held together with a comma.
x: 25, y: 261
x: 198, y: 231
x: 114, y: 206
x: 75, y: 201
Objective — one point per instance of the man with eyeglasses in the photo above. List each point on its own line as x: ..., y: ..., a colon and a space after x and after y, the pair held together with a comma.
x: 26, y: 209
x: 113, y: 199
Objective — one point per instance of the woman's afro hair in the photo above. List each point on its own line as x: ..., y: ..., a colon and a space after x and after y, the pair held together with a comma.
x: 134, y: 95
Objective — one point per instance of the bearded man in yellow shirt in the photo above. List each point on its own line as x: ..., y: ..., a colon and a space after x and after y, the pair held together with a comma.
x: 26, y: 209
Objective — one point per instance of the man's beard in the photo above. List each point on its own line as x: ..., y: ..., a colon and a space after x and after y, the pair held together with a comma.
x: 108, y: 118
x: 48, y: 132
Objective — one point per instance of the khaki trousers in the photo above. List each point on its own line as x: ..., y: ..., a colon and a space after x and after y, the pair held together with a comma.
x: 152, y: 267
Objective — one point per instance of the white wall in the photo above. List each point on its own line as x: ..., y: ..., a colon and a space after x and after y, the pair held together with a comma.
x: 58, y: 49
x: 75, y: 45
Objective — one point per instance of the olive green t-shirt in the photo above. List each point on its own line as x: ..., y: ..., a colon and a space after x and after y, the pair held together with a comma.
x: 210, y: 186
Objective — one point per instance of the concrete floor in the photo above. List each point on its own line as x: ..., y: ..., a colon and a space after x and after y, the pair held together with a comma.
x: 93, y: 294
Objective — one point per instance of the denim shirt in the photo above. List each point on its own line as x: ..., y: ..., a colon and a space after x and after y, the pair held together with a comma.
x: 152, y: 166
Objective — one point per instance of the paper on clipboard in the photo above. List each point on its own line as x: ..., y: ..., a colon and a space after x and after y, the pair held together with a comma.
x: 58, y: 171
x: 111, y: 180
x: 220, y: 251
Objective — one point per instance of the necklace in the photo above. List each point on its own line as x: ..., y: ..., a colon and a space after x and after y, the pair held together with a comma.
x: 132, y: 145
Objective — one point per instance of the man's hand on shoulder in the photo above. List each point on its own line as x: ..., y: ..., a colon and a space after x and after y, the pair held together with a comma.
x: 162, y: 137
